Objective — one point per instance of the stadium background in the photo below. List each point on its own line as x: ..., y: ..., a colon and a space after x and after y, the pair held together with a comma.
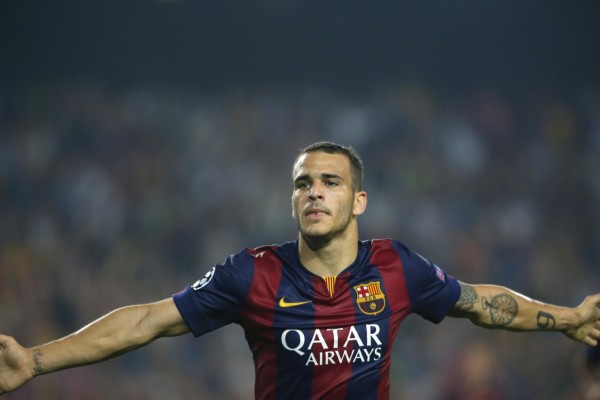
x: 142, y: 142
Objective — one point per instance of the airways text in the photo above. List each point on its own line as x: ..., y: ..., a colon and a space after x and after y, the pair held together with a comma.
x: 335, y: 345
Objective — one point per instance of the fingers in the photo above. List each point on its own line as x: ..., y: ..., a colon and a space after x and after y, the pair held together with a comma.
x: 591, y: 339
x: 595, y: 298
x: 593, y: 336
x: 4, y: 338
x: 5, y: 341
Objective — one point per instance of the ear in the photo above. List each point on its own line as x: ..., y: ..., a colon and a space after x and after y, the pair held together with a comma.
x: 360, y: 203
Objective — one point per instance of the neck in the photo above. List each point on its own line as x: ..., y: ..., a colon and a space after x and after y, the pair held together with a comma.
x: 328, y: 257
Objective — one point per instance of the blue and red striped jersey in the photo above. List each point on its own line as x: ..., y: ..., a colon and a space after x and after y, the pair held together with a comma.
x: 313, y: 337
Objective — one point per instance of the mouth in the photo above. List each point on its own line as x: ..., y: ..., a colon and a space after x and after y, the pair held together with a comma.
x: 315, y: 212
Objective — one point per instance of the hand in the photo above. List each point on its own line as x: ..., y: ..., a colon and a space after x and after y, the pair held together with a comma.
x: 588, y: 329
x: 15, y: 364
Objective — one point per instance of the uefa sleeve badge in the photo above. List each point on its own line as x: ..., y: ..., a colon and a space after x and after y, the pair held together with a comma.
x: 204, y: 281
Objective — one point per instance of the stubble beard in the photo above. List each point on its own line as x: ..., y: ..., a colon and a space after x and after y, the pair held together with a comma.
x: 320, y: 240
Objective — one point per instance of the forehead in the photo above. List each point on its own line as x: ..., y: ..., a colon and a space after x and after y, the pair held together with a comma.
x: 318, y: 162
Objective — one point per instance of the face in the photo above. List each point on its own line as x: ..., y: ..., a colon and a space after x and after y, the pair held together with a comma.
x: 323, y: 201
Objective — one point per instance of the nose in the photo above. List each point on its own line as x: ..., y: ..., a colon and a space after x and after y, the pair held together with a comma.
x: 316, y: 191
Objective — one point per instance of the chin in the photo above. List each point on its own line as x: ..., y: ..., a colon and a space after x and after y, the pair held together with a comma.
x: 314, y: 234
x: 317, y: 235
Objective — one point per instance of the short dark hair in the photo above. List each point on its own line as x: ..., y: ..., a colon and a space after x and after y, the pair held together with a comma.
x: 356, y: 163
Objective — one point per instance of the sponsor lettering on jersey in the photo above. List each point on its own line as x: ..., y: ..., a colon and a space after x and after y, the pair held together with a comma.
x: 335, y: 345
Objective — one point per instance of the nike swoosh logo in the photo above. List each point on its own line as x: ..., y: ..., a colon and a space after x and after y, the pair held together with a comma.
x: 285, y: 304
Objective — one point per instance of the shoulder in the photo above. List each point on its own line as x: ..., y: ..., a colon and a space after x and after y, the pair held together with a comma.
x: 262, y: 251
x: 395, y: 251
x: 389, y: 254
x: 270, y: 255
x: 253, y: 253
x: 388, y: 245
x: 272, y: 250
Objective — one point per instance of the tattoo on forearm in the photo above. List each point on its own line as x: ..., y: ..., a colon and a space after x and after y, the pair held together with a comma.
x: 37, y: 363
x: 468, y: 297
x: 503, y: 309
x: 545, y: 320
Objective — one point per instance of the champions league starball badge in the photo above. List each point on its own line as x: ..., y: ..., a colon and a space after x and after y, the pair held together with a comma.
x: 204, y: 281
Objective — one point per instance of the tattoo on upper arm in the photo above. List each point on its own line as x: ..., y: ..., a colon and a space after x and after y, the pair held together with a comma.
x: 468, y: 297
x: 37, y: 363
x: 545, y: 320
x: 503, y: 309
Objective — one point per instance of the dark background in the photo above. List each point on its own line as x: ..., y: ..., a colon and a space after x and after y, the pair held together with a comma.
x: 453, y: 45
x: 143, y: 142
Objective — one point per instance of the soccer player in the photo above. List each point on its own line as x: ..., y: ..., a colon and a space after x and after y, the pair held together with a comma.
x: 320, y: 313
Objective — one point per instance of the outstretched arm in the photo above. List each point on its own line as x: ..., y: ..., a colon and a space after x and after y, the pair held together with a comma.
x: 118, y: 332
x: 497, y: 307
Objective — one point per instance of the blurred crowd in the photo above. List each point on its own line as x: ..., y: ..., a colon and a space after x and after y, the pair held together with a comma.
x: 115, y: 196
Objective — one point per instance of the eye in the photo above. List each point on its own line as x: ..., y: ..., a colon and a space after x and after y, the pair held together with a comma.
x: 331, y: 183
x: 301, y: 185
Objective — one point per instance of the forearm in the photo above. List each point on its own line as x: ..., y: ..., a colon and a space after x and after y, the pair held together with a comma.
x: 118, y: 332
x: 498, y: 307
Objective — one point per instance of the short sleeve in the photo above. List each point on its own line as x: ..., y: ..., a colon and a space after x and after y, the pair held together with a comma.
x: 432, y: 291
x: 218, y: 298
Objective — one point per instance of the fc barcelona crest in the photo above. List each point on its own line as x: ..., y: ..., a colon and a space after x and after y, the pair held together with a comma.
x: 369, y: 298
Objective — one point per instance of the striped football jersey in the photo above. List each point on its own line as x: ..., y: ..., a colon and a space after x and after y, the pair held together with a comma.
x: 318, y: 337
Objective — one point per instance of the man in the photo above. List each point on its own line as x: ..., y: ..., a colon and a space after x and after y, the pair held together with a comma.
x: 319, y: 314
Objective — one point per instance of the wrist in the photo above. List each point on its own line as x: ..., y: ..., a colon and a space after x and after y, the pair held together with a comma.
x: 35, y: 362
x: 557, y: 319
x: 567, y: 319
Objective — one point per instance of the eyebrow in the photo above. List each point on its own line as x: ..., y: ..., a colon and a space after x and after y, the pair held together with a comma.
x: 331, y: 176
x: 324, y: 175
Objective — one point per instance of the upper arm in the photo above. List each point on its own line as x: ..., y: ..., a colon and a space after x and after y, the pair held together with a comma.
x: 164, y: 319
x: 465, y: 305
